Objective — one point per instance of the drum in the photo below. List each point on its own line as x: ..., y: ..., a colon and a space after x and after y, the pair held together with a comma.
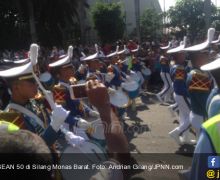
x: 141, y: 78
x: 119, y: 99
x: 96, y: 132
x: 146, y: 72
x: 81, y: 159
x: 135, y: 77
x: 109, y: 173
x: 132, y: 88
x: 47, y: 80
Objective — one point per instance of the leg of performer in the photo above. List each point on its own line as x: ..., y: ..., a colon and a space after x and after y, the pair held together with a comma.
x: 196, y: 122
x: 169, y: 96
x: 183, y: 118
x: 184, y: 128
x: 163, y: 92
x: 173, y: 108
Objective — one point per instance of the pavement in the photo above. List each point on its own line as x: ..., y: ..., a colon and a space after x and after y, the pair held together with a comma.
x: 147, y: 133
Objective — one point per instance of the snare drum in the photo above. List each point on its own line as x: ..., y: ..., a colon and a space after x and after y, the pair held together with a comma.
x: 141, y: 78
x: 146, y: 72
x: 80, y: 157
x: 132, y: 88
x: 109, y: 173
x: 47, y: 80
x: 135, y: 77
x: 96, y: 132
x: 119, y: 99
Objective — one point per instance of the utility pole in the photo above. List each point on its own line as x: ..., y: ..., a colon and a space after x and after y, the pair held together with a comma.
x: 137, y: 15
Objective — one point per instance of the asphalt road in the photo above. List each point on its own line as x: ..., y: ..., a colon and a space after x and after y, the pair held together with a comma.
x: 147, y: 133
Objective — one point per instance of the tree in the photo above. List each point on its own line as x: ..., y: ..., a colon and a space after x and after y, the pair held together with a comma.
x: 50, y: 22
x: 108, y: 21
x: 151, y: 24
x: 188, y: 17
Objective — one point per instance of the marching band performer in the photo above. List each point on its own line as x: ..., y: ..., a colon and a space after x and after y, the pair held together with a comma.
x: 30, y: 116
x: 166, y: 93
x: 199, y: 83
x: 213, y: 102
x: 208, y: 142
x: 64, y: 71
x: 179, y: 74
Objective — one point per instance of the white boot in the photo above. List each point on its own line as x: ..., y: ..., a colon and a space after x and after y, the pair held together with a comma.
x: 185, y: 139
x: 175, y: 135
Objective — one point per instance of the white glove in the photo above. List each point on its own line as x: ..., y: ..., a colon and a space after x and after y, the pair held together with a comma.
x: 111, y: 90
x: 93, y: 113
x: 70, y: 137
x: 73, y: 139
x: 83, y: 124
x: 109, y: 77
x: 50, y: 94
x: 123, y: 85
x: 128, y: 78
x: 59, y: 115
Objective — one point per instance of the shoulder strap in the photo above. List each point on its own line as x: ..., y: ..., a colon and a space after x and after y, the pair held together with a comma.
x: 26, y: 112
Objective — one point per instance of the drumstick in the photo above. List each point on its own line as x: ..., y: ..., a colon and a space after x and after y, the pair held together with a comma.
x: 33, y: 57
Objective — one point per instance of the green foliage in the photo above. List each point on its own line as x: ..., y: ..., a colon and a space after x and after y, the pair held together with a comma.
x: 108, y: 21
x: 188, y: 16
x: 216, y: 21
x: 151, y: 24
x: 56, y: 22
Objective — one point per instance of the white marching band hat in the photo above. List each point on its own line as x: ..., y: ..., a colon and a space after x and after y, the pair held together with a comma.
x: 23, y: 68
x: 97, y: 55
x: 135, y: 50
x: 204, y: 45
x: 64, y: 59
x: 114, y: 53
x: 179, y: 48
x: 216, y: 41
x: 212, y: 65
x: 166, y: 47
x: 124, y: 51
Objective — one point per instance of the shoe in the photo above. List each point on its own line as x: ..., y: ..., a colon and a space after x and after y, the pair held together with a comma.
x: 175, y: 135
x: 124, y: 117
x: 184, y: 139
x: 159, y: 98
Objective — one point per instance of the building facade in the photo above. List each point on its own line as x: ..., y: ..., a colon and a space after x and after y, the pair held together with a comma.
x: 133, y: 9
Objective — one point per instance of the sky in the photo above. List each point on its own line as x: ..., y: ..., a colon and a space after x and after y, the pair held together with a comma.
x: 169, y: 3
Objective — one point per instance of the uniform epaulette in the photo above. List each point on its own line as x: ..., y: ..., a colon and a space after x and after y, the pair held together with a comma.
x: 13, y: 117
x: 59, y: 94
x: 180, y: 72
x: 200, y: 81
x: 197, y: 72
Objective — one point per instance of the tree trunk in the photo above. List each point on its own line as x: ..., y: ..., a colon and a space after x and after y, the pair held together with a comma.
x: 32, y: 21
x: 207, y: 11
x: 81, y: 18
x: 137, y: 16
